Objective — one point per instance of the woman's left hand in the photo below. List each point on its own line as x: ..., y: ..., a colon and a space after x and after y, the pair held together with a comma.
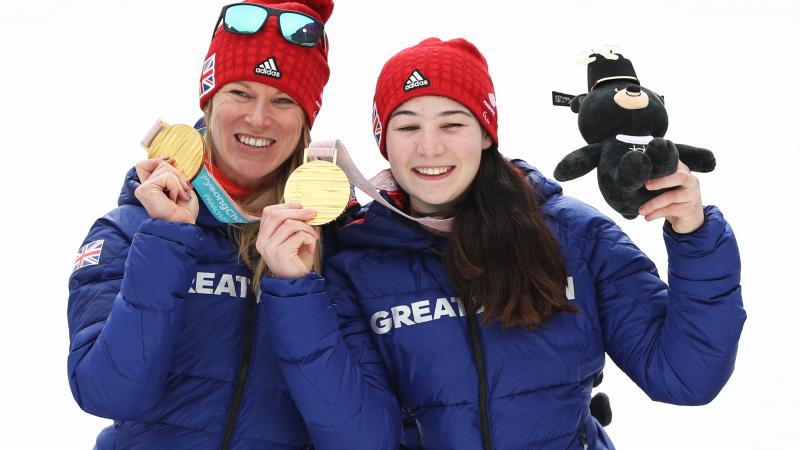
x: 682, y: 207
x: 285, y: 241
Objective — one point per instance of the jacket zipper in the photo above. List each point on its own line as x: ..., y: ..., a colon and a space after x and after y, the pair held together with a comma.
x: 483, y: 385
x: 584, y: 436
x: 244, y: 367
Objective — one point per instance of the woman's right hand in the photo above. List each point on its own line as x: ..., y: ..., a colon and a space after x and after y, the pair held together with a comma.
x: 165, y: 192
x: 146, y: 167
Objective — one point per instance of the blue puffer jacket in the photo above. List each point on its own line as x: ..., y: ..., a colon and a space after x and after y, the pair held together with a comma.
x: 162, y: 333
x: 402, y: 320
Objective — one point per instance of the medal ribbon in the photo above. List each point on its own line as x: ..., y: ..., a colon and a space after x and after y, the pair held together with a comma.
x: 217, y: 200
x: 384, y: 180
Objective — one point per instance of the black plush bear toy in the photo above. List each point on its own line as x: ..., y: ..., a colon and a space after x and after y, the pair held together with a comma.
x: 624, y: 124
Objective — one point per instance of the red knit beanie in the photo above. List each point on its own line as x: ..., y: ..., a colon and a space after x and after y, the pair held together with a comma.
x: 300, y: 72
x: 454, y: 69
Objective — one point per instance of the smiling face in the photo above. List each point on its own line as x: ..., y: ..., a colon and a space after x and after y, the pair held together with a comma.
x: 254, y: 128
x: 434, y: 146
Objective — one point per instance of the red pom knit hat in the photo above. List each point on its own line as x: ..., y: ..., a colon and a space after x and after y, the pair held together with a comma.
x: 266, y: 57
x: 454, y: 69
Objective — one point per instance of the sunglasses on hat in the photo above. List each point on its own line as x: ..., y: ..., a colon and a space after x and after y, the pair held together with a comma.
x: 295, y: 27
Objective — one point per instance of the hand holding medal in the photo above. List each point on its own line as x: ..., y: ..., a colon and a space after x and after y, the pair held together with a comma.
x: 184, y: 145
x: 165, y: 191
x: 318, y: 184
x: 316, y: 193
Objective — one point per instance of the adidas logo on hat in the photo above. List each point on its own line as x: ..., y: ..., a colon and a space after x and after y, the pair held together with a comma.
x: 268, y: 68
x: 416, y: 80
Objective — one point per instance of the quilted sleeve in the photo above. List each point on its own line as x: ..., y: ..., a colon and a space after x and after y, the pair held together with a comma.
x: 124, y: 314
x: 334, y: 372
x: 678, y: 341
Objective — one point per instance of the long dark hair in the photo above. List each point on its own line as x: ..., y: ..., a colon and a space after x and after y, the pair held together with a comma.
x: 502, y: 256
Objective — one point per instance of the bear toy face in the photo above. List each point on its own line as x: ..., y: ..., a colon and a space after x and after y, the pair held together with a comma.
x: 620, y: 107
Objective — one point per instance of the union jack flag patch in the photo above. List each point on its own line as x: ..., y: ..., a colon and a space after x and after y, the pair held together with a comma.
x: 207, y: 77
x: 377, y: 128
x: 88, y: 255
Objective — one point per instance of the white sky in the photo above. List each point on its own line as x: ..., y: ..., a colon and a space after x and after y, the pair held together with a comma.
x: 83, y: 81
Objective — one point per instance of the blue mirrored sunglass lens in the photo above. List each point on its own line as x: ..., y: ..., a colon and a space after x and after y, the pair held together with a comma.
x: 245, y: 18
x: 300, y: 29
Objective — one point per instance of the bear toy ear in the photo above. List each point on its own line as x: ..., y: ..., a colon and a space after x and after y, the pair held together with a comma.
x: 575, y: 104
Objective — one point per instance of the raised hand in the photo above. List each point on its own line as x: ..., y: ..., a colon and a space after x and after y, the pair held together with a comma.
x: 681, y: 207
x: 145, y: 169
x: 165, y: 192
x: 286, y: 242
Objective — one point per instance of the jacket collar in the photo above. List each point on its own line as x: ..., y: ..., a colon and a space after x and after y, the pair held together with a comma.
x: 381, y: 228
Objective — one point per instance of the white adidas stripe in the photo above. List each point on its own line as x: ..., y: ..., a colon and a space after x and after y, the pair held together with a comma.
x: 415, y: 77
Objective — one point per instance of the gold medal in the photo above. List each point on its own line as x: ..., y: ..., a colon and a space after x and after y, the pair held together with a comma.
x: 321, y: 186
x: 180, y: 142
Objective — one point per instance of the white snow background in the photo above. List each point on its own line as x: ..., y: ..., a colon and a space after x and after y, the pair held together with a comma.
x: 81, y: 82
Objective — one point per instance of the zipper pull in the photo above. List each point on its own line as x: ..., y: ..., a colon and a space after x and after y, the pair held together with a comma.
x: 585, y: 440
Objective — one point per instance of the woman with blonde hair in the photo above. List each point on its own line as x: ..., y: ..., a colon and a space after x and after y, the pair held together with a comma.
x: 167, y: 336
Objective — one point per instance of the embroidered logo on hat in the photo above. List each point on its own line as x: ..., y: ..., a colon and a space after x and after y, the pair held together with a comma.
x: 318, y: 105
x: 268, y: 68
x: 377, y: 128
x: 416, y: 80
x: 489, y: 107
x: 207, y: 77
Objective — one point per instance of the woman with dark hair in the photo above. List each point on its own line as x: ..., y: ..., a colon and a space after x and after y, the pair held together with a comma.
x: 491, y: 335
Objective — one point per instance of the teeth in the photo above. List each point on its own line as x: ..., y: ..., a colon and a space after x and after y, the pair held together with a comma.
x: 432, y: 171
x: 254, y: 141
